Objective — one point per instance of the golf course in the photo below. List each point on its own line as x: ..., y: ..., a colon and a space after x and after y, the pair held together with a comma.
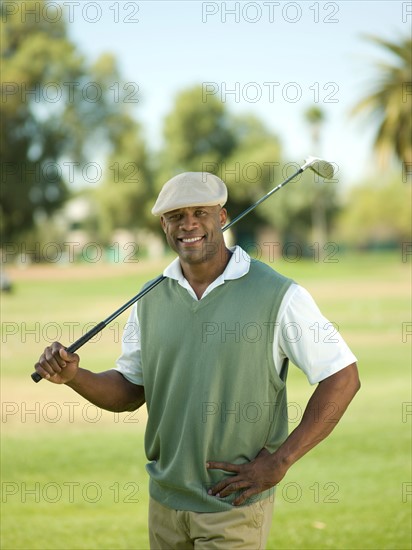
x: 73, y: 476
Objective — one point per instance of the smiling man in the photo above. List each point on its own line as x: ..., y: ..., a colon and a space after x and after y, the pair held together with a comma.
x: 211, y: 363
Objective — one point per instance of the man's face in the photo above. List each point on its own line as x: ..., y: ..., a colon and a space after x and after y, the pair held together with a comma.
x: 195, y: 232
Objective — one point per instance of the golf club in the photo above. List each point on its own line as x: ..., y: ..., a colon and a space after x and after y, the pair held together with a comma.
x: 321, y: 167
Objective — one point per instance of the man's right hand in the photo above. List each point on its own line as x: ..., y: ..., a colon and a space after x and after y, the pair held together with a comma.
x: 57, y: 365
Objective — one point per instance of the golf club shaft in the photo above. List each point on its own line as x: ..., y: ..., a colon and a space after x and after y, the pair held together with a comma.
x: 100, y: 326
x: 253, y: 206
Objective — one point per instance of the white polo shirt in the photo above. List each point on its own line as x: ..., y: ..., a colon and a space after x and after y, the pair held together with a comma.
x: 301, y: 332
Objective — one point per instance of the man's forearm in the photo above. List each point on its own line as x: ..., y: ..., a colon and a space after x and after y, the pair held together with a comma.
x: 323, y: 411
x: 108, y: 390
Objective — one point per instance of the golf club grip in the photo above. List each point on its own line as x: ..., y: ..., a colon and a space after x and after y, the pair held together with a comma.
x: 76, y: 345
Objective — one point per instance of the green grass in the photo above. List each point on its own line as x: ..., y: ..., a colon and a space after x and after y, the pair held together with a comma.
x: 75, y: 491
x: 88, y: 479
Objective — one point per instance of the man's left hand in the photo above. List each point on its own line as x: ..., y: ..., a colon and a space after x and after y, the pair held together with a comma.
x: 255, y: 477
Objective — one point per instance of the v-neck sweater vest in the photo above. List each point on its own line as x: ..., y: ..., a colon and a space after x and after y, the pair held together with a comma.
x: 211, y: 387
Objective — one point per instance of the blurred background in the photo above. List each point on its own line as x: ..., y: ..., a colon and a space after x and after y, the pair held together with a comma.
x: 102, y: 102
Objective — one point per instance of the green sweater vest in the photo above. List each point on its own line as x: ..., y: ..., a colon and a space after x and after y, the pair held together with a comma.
x: 211, y: 387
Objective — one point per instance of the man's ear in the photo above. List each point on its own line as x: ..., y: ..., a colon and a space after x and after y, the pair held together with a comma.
x: 163, y: 223
x: 223, y: 216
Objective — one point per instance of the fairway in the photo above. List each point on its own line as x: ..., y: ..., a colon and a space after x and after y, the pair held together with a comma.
x: 73, y: 477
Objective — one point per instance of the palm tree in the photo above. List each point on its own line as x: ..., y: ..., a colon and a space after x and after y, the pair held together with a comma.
x: 315, y: 117
x: 390, y: 103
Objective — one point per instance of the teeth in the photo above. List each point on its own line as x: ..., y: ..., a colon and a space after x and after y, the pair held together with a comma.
x: 192, y: 240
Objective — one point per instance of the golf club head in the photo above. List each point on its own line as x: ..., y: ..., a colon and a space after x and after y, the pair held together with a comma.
x: 321, y: 167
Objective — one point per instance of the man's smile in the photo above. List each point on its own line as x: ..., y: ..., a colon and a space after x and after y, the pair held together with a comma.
x: 190, y: 240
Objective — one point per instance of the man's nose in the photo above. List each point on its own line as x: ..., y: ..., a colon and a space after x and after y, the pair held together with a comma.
x: 188, y: 222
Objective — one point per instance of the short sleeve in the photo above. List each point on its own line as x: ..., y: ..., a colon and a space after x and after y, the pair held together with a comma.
x: 308, y: 338
x: 129, y: 364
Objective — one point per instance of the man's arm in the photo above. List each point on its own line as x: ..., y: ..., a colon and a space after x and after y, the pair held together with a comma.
x: 324, y: 410
x: 108, y: 390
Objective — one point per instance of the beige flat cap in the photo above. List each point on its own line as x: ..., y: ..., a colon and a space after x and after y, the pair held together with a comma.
x: 190, y: 189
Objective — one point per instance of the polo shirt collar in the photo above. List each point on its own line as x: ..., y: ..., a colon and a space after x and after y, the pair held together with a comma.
x: 237, y: 267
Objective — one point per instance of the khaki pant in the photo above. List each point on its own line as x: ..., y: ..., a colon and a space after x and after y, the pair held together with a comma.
x: 242, y: 528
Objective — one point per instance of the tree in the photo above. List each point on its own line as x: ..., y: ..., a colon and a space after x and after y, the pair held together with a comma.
x: 123, y: 198
x: 205, y: 136
x: 202, y: 135
x: 389, y: 102
x: 290, y: 213
x: 28, y: 60
x: 253, y: 168
x: 315, y: 117
x: 376, y: 213
x: 57, y: 115
x: 196, y: 133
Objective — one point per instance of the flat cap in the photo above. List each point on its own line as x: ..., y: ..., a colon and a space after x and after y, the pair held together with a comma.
x: 190, y: 189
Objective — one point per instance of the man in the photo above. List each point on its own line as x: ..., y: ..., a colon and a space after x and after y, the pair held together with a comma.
x: 211, y: 362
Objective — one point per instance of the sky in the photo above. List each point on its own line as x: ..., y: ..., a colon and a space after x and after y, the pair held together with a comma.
x: 272, y: 59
